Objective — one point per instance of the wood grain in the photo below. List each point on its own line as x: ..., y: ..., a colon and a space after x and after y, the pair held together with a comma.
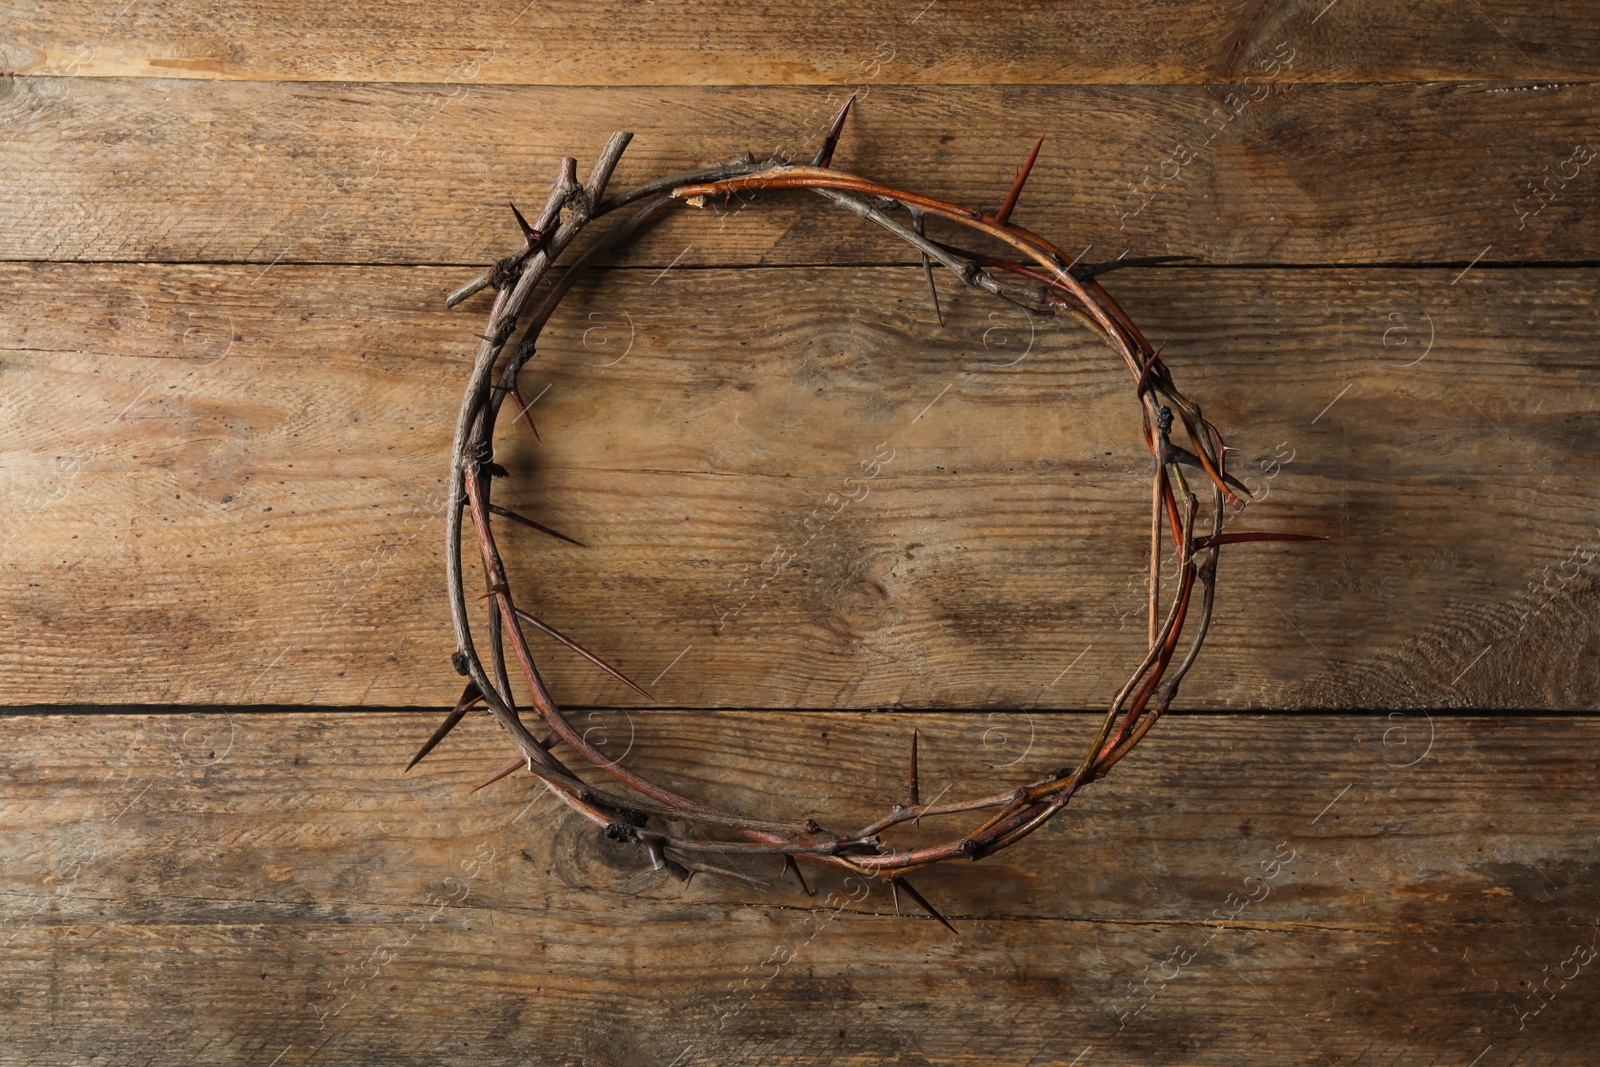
x: 178, y: 171
x: 672, y: 42
x: 205, y: 887
x: 226, y: 487
x: 226, y: 390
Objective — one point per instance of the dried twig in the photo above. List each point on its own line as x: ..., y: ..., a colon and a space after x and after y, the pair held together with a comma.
x: 1039, y: 278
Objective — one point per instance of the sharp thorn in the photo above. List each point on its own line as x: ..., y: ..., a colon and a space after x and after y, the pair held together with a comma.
x: 584, y: 652
x: 529, y: 234
x: 1144, y: 372
x: 927, y: 272
x: 677, y: 870
x: 1004, y: 213
x: 469, y: 697
x: 709, y: 868
x: 523, y: 407
x: 916, y: 794
x: 520, y: 762
x: 1083, y: 272
x: 792, y: 867
x: 1184, y: 456
x: 824, y: 154
x: 923, y: 901
x: 524, y: 520
x: 927, y: 265
x: 894, y: 893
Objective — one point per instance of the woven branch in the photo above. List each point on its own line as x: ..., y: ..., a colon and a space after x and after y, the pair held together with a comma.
x: 1038, y: 278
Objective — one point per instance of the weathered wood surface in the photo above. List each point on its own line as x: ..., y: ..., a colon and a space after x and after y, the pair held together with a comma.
x: 227, y: 487
x: 671, y: 42
x: 226, y: 388
x: 265, y: 888
x: 1273, y: 173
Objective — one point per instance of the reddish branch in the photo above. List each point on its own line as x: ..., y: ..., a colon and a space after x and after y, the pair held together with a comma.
x: 1038, y: 278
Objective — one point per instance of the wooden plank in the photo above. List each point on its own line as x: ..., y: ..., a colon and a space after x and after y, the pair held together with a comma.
x: 226, y: 487
x: 671, y: 42
x: 251, y: 887
x: 130, y: 169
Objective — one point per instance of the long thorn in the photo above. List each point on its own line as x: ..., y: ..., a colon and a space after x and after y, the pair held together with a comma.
x: 894, y: 893
x: 584, y: 652
x: 518, y: 764
x: 529, y: 234
x: 523, y: 407
x: 524, y: 520
x: 792, y: 867
x: 824, y: 154
x: 1083, y: 272
x: 1004, y: 213
x: 693, y: 866
x: 927, y: 272
x: 916, y: 794
x: 469, y: 697
x: 1183, y: 455
x: 927, y: 264
x: 1144, y: 373
x: 922, y: 900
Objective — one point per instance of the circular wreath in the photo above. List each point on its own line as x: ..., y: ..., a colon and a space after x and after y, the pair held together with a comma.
x: 1037, y: 278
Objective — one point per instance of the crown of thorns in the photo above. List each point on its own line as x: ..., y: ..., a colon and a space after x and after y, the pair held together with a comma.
x: 1033, y: 275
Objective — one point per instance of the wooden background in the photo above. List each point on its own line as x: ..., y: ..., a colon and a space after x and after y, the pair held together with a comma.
x: 229, y: 383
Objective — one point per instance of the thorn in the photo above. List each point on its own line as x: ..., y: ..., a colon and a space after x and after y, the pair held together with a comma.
x: 469, y: 697
x: 584, y: 652
x: 923, y: 901
x: 1016, y: 186
x: 792, y: 867
x: 1183, y: 455
x: 927, y: 271
x: 916, y: 795
x: 529, y: 234
x: 1144, y: 372
x: 522, y: 405
x: 493, y: 589
x: 693, y: 866
x: 1092, y: 270
x: 524, y: 520
x: 824, y: 154
x: 927, y: 264
x: 677, y: 870
x: 520, y: 762
x: 894, y: 892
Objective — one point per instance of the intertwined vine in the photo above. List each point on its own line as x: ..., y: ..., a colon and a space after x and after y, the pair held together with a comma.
x: 1033, y: 274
